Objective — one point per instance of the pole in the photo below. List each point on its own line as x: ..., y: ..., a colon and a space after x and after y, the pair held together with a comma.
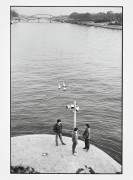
x: 74, y: 114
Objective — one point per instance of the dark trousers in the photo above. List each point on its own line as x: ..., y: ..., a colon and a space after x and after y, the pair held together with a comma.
x: 73, y: 147
x: 56, y: 138
x: 87, y: 144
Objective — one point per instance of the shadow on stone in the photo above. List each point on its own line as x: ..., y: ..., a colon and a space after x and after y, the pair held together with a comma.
x: 79, y: 170
x: 22, y: 169
x: 118, y: 172
x: 86, y: 170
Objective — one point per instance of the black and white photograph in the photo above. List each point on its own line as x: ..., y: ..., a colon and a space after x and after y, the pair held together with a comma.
x: 66, y: 89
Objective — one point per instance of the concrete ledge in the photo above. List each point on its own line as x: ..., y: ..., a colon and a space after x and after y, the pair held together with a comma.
x: 28, y: 151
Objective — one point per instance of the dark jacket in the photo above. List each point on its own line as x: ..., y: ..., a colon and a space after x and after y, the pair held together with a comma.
x: 58, y: 128
x: 86, y: 134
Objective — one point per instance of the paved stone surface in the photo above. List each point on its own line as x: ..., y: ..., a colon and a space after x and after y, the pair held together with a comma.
x: 28, y: 151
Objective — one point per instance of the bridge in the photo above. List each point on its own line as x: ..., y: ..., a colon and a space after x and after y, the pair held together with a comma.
x: 39, y: 17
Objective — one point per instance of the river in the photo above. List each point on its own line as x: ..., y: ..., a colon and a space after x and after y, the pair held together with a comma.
x: 88, y: 60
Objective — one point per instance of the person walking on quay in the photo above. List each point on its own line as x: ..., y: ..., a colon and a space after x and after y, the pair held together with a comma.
x: 86, y: 136
x: 74, y: 140
x: 58, y: 132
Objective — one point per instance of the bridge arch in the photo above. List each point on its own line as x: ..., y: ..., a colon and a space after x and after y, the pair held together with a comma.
x: 41, y: 16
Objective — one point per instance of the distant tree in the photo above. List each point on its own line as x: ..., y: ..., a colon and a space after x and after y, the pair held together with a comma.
x: 109, y: 12
x: 87, y: 16
x: 74, y: 15
x: 81, y: 16
x: 14, y: 14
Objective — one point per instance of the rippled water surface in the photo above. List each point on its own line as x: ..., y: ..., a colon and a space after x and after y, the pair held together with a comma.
x: 88, y: 60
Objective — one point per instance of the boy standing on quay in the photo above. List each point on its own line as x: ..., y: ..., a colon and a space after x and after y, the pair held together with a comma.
x: 58, y: 132
x: 74, y: 140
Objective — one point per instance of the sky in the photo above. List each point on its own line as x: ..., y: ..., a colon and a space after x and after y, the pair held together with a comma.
x: 56, y: 11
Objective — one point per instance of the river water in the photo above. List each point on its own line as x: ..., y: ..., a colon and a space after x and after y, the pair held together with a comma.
x: 88, y: 60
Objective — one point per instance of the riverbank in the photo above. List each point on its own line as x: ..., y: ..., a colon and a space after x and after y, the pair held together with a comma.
x: 40, y: 153
x: 101, y: 25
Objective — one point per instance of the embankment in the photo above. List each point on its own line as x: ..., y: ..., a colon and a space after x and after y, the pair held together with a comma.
x: 101, y: 25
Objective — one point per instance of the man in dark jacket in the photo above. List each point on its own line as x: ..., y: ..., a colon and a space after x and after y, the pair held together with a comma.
x: 58, y: 132
x: 86, y: 136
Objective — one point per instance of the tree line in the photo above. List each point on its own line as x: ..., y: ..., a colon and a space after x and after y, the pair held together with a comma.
x: 98, y: 17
